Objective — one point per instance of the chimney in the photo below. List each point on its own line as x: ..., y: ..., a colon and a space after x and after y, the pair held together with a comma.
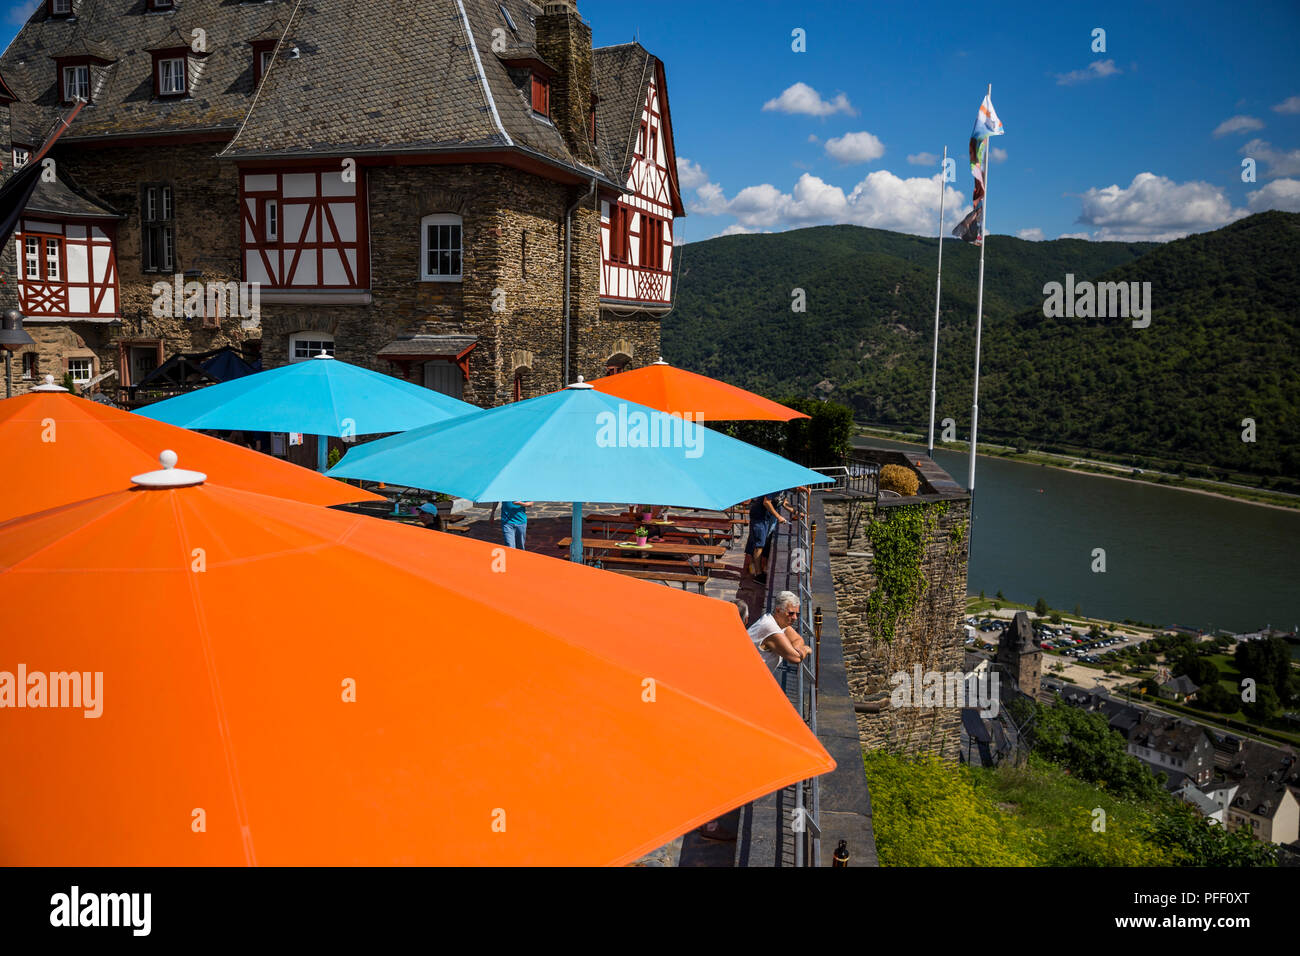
x: 564, y: 41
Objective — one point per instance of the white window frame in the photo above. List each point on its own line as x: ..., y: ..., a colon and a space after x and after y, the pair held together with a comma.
x: 32, y: 258
x: 72, y: 83
x: 21, y: 157
x: 60, y: 8
x: 52, y: 272
x: 90, y: 369
x: 271, y: 220
x: 34, y: 359
x: 172, y: 80
x: 431, y: 222
x: 266, y: 56
x: 309, y: 344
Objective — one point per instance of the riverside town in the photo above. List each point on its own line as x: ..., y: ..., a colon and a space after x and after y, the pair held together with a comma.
x: 502, y: 433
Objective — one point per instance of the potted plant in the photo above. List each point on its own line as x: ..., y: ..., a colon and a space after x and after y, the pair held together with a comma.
x: 443, y: 501
x: 645, y: 513
x: 641, y: 535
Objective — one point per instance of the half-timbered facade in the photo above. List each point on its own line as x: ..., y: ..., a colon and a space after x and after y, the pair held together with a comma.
x: 406, y: 191
x: 637, y: 226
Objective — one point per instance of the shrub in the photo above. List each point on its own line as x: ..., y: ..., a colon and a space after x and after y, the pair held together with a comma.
x: 899, y: 479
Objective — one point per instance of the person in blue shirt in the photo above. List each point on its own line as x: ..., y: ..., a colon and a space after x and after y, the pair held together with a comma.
x: 514, y: 522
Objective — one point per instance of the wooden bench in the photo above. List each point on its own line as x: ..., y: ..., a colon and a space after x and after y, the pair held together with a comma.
x: 699, y: 580
x: 654, y: 562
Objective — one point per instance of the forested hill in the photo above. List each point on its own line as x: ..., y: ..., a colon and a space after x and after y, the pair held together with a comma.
x: 1222, y: 344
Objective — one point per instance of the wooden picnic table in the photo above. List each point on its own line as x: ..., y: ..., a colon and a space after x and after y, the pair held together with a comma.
x: 703, y: 526
x: 697, y: 556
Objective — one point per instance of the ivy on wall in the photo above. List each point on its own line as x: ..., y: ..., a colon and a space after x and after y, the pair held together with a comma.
x: 898, y: 542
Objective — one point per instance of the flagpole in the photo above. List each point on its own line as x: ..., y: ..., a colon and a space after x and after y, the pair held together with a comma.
x: 979, y: 323
x: 938, y: 283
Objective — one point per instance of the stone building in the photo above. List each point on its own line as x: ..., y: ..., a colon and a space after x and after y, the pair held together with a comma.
x: 1020, y: 657
x: 463, y: 193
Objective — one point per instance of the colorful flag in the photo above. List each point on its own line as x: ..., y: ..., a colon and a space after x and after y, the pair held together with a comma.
x: 986, y: 124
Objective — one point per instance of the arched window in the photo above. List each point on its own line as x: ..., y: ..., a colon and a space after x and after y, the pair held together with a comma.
x: 440, y: 248
x: 307, y: 345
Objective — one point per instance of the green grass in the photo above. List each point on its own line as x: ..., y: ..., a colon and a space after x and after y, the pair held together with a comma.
x: 927, y: 813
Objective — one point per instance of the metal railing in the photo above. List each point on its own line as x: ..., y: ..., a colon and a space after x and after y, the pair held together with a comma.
x: 854, y: 475
x: 799, y: 536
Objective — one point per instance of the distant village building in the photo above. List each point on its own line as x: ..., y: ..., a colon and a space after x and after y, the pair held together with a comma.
x: 1268, y: 787
x: 1180, y: 688
x: 462, y: 193
x: 1020, y: 656
x: 1179, y: 748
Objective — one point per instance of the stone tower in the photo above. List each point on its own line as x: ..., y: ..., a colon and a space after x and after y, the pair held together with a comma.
x: 1019, y: 656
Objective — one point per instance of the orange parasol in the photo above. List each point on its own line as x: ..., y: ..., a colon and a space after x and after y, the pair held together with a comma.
x: 59, y: 448
x: 286, y: 684
x: 672, y: 389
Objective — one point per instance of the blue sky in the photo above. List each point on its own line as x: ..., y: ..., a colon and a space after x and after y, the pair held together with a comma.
x: 1113, y: 145
x: 1142, y: 141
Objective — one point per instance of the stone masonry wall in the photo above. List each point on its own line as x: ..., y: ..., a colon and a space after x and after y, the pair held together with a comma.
x: 931, y: 637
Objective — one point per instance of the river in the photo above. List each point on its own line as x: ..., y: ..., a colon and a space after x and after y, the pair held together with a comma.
x: 1172, y: 557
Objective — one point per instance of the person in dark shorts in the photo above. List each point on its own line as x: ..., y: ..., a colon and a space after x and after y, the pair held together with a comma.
x: 764, y: 516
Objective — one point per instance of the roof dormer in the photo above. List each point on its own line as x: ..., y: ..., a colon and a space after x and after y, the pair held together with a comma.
x: 80, y: 67
x: 58, y: 9
x: 176, y: 66
x: 160, y: 6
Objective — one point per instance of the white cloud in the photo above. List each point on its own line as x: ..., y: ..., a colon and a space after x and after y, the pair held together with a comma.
x: 1033, y: 235
x: 1156, y: 208
x: 923, y: 159
x: 1237, y: 124
x: 710, y: 201
x: 1095, y: 70
x: 881, y: 200
x: 1075, y: 235
x: 1281, y: 194
x: 802, y: 98
x: 812, y: 138
x: 690, y: 175
x: 736, y: 229
x: 19, y: 13
x: 1289, y: 105
x: 999, y: 155
x: 855, y: 148
x: 1280, y: 163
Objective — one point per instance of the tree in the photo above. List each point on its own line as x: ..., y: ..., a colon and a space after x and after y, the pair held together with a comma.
x: 1179, y: 828
x: 1217, y: 698
x: 1265, y: 706
x: 1000, y: 596
x: 1086, y: 745
x: 1040, y: 607
x: 1056, y: 618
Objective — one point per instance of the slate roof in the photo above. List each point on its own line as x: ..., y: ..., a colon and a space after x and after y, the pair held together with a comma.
x: 432, y: 345
x: 620, y: 77
x: 60, y: 199
x: 370, y: 76
x: 123, y: 103
x: 1167, y: 735
x: 1180, y: 685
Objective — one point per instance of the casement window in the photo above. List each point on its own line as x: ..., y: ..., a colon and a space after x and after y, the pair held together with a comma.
x: 31, y: 365
x: 440, y: 248
x: 21, y: 157
x: 270, y: 220
x: 541, y: 95
x: 171, y: 76
x: 654, y: 146
x: 53, y: 254
x: 620, y: 228
x: 76, y: 83
x: 307, y: 345
x: 81, y: 369
x: 652, y: 242
x: 159, y: 6
x: 157, y: 228
x: 32, y: 257
x: 640, y: 142
x: 60, y: 8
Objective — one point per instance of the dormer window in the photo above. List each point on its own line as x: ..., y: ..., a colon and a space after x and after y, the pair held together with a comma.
x: 263, y: 53
x: 76, y: 82
x: 541, y: 95
x: 171, y: 76
x: 60, y: 8
x: 159, y: 6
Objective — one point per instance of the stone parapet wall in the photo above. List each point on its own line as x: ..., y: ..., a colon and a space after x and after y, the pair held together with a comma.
x: 931, y: 636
